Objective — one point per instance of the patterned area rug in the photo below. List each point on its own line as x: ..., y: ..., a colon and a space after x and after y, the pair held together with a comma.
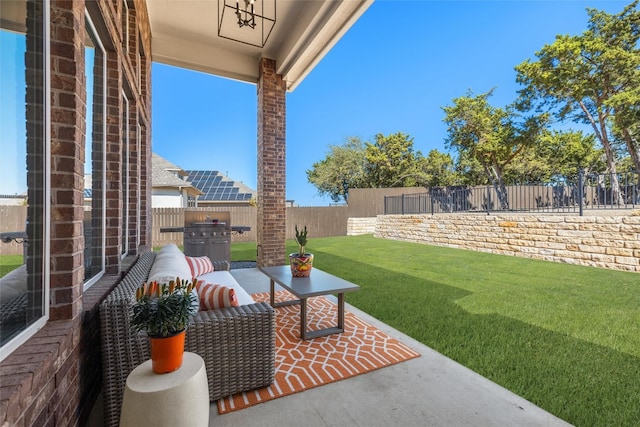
x: 301, y: 365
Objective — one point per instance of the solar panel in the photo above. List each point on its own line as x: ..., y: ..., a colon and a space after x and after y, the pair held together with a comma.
x: 215, y: 188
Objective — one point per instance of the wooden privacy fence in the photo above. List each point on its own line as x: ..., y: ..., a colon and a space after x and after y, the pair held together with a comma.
x: 320, y: 221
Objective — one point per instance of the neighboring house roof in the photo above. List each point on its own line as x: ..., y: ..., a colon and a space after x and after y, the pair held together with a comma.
x: 162, y: 164
x: 166, y: 174
x: 217, y: 187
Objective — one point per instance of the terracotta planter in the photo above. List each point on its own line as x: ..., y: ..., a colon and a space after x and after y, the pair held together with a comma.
x: 301, y: 265
x: 166, y: 353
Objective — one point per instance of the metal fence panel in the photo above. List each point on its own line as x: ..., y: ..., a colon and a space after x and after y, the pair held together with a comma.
x: 594, y: 191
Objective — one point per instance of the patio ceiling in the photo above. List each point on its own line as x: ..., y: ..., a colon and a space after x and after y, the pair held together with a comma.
x: 185, y: 34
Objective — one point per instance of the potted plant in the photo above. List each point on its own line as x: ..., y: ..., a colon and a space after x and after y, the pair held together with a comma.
x: 163, y: 312
x: 301, y: 262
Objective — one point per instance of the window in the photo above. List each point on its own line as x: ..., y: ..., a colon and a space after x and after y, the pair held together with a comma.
x: 95, y: 161
x: 24, y: 175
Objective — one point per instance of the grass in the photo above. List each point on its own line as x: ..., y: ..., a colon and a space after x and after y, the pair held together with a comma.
x: 564, y: 337
x: 9, y: 263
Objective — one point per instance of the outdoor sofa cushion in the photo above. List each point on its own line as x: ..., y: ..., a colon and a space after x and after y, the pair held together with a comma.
x: 169, y: 264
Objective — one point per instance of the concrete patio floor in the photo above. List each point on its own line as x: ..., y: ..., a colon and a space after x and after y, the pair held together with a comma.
x: 430, y: 390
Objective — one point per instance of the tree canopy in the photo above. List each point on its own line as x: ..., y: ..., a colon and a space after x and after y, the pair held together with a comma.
x: 591, y: 78
x: 491, y: 136
x: 389, y: 161
x: 343, y: 168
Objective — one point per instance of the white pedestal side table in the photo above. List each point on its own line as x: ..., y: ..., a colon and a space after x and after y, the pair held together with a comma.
x: 179, y: 398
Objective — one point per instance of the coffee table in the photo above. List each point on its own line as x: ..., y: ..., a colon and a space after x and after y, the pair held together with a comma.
x: 318, y: 283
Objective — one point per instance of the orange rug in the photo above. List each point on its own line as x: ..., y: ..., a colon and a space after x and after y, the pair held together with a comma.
x: 301, y: 365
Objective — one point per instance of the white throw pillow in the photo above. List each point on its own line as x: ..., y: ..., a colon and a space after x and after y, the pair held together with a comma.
x: 169, y: 264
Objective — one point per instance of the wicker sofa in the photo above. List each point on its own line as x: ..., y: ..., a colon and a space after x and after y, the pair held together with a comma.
x: 236, y: 343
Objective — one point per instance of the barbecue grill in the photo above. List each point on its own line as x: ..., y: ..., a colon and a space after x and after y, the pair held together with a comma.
x: 207, y: 233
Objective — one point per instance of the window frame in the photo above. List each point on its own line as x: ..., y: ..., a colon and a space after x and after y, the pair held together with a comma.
x: 92, y: 280
x: 22, y: 337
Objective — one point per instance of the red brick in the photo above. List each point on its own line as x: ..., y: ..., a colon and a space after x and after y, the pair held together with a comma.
x: 45, y: 403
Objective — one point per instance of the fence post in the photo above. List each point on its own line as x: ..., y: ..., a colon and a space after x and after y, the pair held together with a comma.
x: 581, y: 190
x: 402, y: 202
x: 488, y: 199
x: 433, y: 204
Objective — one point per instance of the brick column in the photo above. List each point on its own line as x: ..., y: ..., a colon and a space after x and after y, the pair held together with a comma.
x: 67, y: 159
x: 271, y: 165
x: 113, y: 161
x: 145, y: 190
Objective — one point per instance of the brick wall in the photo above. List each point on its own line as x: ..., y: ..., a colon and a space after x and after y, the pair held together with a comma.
x: 55, y: 377
x: 600, y: 241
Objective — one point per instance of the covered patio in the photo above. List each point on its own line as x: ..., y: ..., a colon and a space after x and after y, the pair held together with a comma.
x: 429, y: 390
x: 50, y: 371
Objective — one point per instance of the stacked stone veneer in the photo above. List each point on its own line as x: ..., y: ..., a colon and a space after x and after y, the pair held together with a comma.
x: 610, y: 242
x: 358, y: 226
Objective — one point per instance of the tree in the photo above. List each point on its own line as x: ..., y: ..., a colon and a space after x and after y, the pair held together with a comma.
x: 491, y: 136
x: 592, y: 78
x: 343, y: 168
x: 556, y: 153
x: 469, y: 170
x: 391, y: 162
x: 436, y: 170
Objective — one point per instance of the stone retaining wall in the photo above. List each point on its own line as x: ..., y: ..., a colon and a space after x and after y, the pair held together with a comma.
x: 358, y: 226
x: 601, y: 241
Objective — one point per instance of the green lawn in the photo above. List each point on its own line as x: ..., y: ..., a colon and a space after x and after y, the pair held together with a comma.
x: 565, y: 337
x: 8, y: 263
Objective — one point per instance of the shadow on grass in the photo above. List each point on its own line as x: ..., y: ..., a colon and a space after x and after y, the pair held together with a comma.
x: 581, y: 382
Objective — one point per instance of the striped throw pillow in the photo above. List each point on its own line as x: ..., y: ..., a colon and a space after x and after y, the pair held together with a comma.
x: 199, y: 265
x: 215, y: 296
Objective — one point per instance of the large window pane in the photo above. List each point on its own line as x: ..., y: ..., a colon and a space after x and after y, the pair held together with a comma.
x: 23, y: 183
x: 94, y: 209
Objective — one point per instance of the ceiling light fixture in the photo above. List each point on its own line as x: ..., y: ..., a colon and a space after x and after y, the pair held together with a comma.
x: 236, y: 19
x: 246, y: 17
